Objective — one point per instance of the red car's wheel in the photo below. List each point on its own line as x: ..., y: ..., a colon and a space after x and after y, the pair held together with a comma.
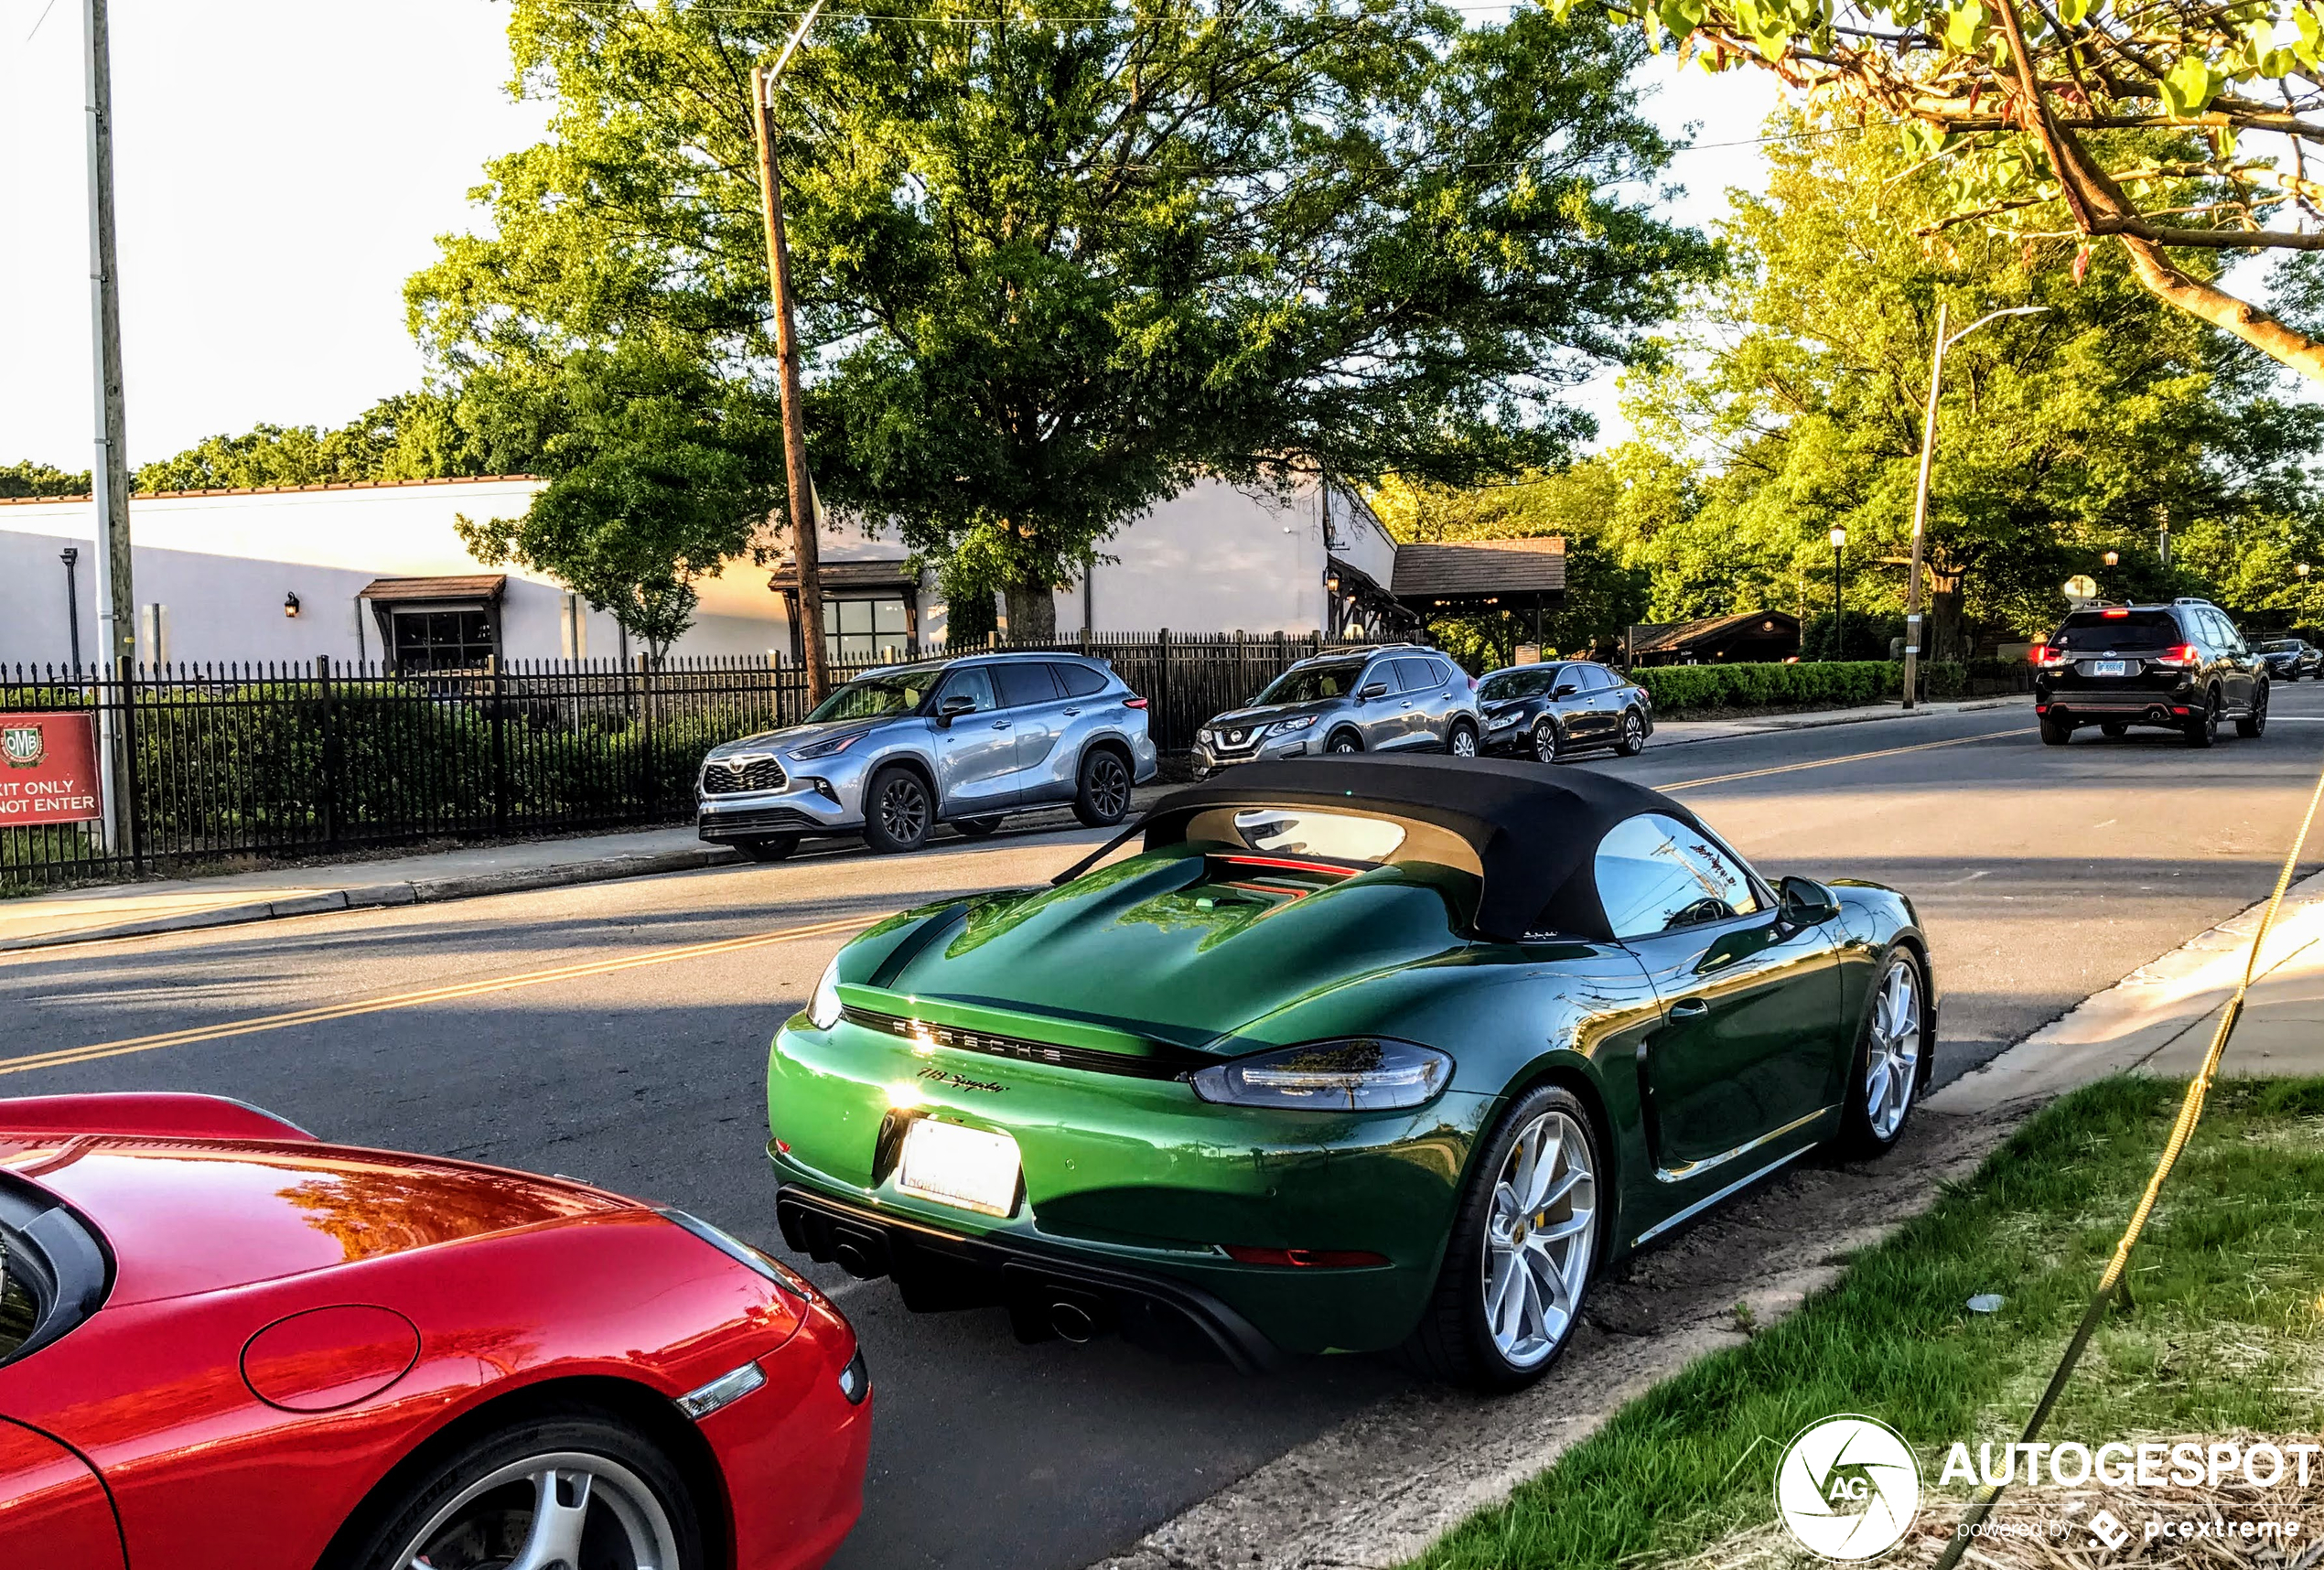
x: 578, y: 1492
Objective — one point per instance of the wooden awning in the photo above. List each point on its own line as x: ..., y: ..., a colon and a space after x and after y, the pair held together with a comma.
x: 1513, y: 571
x: 883, y: 573
x: 471, y: 589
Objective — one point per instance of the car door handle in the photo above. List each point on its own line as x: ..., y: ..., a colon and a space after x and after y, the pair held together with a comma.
x: 1408, y: 703
x: 1070, y: 712
x: 1689, y: 1008
x: 1000, y: 725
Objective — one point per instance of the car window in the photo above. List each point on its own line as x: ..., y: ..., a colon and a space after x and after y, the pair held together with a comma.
x: 1078, y: 681
x: 20, y: 1308
x: 1595, y: 678
x: 1298, y: 831
x: 2230, y: 640
x: 973, y: 683
x: 1023, y: 682
x: 2124, y: 631
x: 1655, y: 874
x: 1415, y: 676
x: 1440, y: 673
x: 1309, y: 683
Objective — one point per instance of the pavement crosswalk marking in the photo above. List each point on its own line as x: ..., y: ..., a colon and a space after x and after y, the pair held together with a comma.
x: 327, y: 1012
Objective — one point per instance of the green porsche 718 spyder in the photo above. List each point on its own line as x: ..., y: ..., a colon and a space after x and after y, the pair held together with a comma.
x: 1353, y: 1054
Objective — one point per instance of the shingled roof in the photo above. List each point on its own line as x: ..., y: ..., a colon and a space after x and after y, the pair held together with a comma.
x: 1476, y: 569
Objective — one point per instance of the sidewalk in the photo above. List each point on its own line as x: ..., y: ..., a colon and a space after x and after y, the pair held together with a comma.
x: 1683, y: 733
x: 176, y: 905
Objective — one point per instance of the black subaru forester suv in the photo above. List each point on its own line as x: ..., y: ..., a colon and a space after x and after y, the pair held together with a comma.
x: 2182, y: 666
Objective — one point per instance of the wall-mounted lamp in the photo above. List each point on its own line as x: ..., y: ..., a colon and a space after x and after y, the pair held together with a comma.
x: 2110, y: 558
x: 290, y: 605
x: 1332, y: 585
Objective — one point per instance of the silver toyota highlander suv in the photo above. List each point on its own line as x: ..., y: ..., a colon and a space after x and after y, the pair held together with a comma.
x: 965, y: 742
x: 1398, y: 698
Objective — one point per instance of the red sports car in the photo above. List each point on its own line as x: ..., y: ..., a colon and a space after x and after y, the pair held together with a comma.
x: 224, y: 1346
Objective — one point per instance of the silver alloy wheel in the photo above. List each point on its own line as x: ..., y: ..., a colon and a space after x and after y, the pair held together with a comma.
x: 1109, y: 785
x: 537, y: 1513
x: 1346, y: 744
x: 1633, y: 732
x: 903, y: 809
x: 1464, y: 742
x: 1892, y: 1055
x: 1545, y: 742
x: 1538, y: 1237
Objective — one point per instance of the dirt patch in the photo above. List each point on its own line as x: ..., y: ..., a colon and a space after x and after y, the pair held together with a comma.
x: 1378, y: 1490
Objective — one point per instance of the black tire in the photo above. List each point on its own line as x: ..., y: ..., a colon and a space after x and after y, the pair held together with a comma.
x: 977, y: 828
x: 1461, y: 731
x: 1633, y: 741
x: 2253, y: 726
x: 2114, y: 728
x: 773, y: 847
x: 1864, y: 1135
x: 627, y: 1472
x: 897, y: 812
x: 1547, y: 743
x: 1344, y: 741
x: 1454, y: 1343
x: 2202, y: 728
x: 1102, y: 797
x: 2055, y: 731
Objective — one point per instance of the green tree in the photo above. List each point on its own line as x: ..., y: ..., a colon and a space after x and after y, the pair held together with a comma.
x: 411, y: 435
x: 2043, y: 120
x: 2061, y: 435
x: 1051, y: 266
x: 29, y: 479
x: 657, y: 475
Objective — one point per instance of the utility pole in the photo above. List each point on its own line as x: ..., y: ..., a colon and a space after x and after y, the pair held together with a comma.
x: 109, y: 475
x: 69, y: 555
x: 805, y: 546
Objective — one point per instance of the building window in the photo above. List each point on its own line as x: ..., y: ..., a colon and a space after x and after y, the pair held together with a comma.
x: 857, y: 631
x: 442, y: 639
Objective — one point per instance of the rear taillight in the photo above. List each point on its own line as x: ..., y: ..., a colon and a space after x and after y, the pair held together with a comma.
x: 2180, y: 654
x: 1133, y: 703
x: 1307, y: 1258
x: 2048, y: 657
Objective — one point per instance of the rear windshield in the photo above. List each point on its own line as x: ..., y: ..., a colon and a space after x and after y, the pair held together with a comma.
x: 2126, y: 632
x: 1307, y: 683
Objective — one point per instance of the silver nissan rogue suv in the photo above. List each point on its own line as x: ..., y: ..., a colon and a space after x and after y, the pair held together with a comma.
x: 898, y: 750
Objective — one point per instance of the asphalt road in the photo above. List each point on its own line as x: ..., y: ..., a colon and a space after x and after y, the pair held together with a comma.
x: 618, y: 1033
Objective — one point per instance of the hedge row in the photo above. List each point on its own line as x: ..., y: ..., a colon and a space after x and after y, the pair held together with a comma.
x: 1810, y: 684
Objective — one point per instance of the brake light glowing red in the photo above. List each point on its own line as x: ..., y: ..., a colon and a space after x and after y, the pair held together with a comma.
x: 2179, y: 654
x: 2048, y: 656
x: 1305, y: 1258
x: 1133, y: 703
x: 2112, y: 613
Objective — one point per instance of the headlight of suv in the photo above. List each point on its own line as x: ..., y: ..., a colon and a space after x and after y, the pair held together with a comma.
x: 1285, y: 728
x: 1511, y: 717
x: 831, y: 747
x: 1363, y: 1074
x: 823, y: 1009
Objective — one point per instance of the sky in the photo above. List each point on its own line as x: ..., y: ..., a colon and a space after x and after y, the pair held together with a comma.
x: 283, y: 165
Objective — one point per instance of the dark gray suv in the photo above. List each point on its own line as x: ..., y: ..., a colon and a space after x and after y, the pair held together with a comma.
x: 896, y: 751
x: 1398, y: 698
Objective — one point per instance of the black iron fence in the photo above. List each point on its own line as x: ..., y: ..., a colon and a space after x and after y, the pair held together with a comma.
x: 284, y: 760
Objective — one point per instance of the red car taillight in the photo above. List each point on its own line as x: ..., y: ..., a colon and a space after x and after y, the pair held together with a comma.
x: 2181, y: 655
x: 1133, y: 703
x: 2047, y: 657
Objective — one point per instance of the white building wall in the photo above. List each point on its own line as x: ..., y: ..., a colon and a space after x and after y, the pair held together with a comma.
x: 1214, y: 558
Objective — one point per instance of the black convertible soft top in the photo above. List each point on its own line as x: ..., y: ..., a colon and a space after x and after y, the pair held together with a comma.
x: 1535, y: 831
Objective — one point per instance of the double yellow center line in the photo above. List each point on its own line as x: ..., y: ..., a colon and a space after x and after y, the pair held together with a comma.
x: 325, y: 1013
x: 453, y: 993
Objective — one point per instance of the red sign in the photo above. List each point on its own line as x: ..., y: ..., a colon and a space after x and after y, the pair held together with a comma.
x: 49, y: 770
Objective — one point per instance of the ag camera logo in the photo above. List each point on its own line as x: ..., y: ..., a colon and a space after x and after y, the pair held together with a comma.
x: 1848, y: 1487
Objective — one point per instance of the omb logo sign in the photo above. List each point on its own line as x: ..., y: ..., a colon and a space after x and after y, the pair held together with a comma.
x: 1847, y: 1488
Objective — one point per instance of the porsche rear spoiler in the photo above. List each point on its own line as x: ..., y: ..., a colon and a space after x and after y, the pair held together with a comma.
x: 146, y: 1114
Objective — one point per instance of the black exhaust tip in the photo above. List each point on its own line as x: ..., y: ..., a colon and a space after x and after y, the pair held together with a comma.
x: 1073, y: 1322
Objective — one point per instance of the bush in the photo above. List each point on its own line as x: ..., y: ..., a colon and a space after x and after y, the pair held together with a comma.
x: 1839, y: 683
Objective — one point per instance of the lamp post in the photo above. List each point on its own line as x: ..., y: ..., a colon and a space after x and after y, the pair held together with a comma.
x: 1839, y: 623
x: 1921, y: 491
x: 2110, y: 558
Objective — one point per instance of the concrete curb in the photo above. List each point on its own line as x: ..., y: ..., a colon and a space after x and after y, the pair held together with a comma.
x: 1776, y: 724
x: 378, y: 895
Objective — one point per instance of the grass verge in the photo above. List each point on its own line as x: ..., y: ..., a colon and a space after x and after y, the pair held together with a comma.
x: 2225, y: 1332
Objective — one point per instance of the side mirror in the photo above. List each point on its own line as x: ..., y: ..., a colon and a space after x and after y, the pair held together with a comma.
x: 1372, y: 690
x: 1804, y: 902
x: 951, y: 708
x: 1566, y: 690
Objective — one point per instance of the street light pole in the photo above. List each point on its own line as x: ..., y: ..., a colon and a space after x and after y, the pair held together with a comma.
x: 1921, y: 491
x: 1839, y: 620
x: 806, y: 547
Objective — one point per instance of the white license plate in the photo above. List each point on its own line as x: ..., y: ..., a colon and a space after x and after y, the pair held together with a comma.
x: 956, y: 1165
x: 2110, y: 667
